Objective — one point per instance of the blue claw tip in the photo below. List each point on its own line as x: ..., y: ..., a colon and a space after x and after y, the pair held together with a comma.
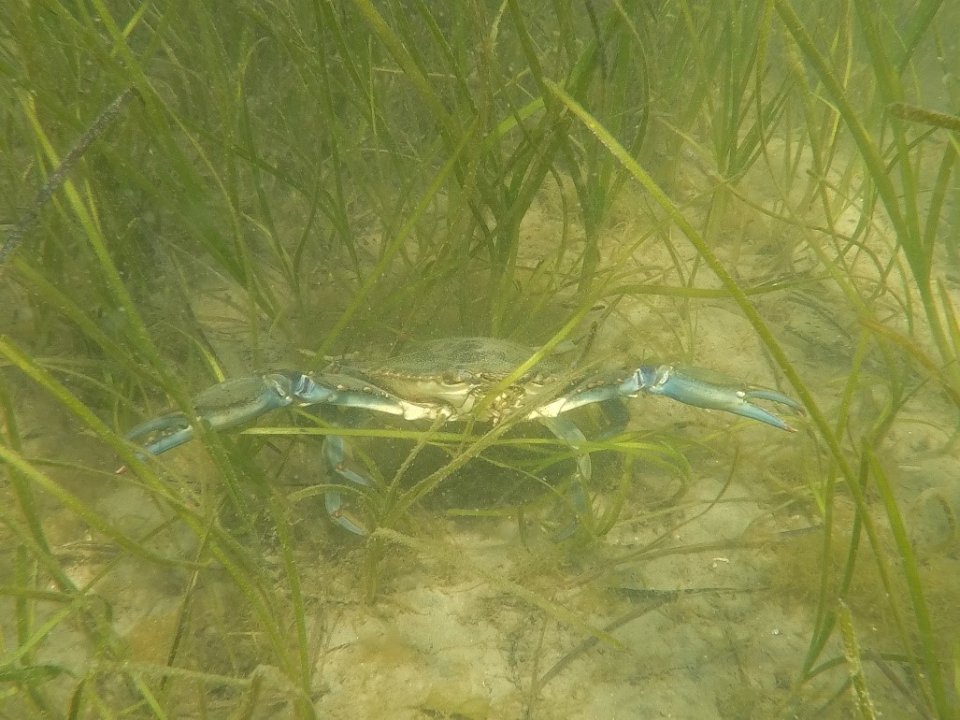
x: 711, y: 390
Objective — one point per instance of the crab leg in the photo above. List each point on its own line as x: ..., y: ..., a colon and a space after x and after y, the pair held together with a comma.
x: 567, y: 431
x: 242, y: 400
x: 221, y: 406
x: 715, y: 391
x: 340, y: 460
x: 690, y: 385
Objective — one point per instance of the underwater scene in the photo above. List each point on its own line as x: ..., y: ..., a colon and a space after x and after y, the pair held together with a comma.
x: 480, y: 360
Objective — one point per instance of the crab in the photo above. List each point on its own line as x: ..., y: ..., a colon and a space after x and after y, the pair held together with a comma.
x: 458, y: 379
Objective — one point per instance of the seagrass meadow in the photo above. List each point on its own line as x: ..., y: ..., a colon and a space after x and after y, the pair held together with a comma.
x: 191, y: 192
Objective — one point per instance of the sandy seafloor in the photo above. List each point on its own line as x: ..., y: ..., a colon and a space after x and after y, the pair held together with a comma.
x: 715, y: 588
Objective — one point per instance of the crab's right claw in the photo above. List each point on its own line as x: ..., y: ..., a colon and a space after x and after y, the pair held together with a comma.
x: 223, y: 405
x: 715, y: 391
x: 163, y: 433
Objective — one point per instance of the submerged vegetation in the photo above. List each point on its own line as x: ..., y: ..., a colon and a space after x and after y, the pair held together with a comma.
x: 765, y: 187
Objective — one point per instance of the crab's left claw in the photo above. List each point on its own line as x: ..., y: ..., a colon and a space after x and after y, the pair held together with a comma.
x: 712, y: 390
x: 223, y: 405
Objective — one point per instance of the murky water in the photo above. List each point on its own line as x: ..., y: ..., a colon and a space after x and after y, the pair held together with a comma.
x: 211, y: 582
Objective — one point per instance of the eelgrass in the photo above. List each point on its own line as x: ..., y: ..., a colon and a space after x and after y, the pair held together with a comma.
x: 357, y: 175
x: 919, y: 261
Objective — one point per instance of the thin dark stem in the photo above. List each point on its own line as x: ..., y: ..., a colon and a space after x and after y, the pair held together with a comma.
x: 57, y: 177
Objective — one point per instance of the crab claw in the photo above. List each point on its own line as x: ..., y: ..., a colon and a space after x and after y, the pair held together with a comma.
x: 715, y: 391
x: 223, y: 405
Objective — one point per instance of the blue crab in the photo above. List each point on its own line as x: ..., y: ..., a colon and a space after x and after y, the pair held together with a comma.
x: 457, y: 379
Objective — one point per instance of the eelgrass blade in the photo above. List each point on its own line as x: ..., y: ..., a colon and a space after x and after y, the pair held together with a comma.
x: 851, y: 653
x: 904, y: 217
x: 395, y: 246
x: 931, y: 667
x: 30, y: 217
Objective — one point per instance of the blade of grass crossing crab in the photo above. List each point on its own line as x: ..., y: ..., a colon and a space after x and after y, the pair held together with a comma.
x: 541, y: 352
x: 427, y: 485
